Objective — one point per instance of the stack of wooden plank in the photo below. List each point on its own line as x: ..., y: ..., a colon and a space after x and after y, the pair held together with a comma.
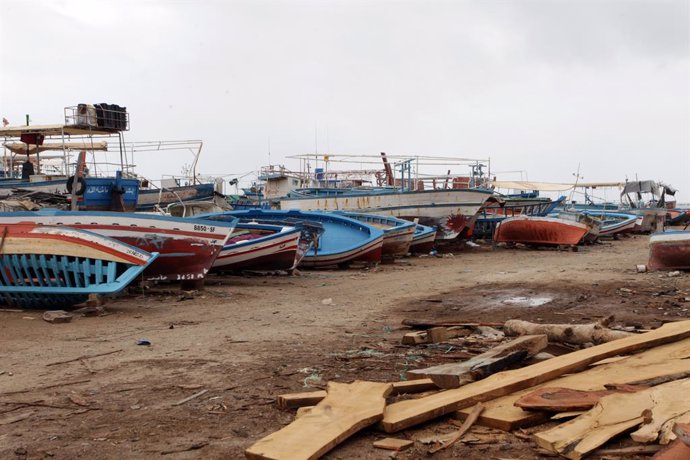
x: 647, y: 392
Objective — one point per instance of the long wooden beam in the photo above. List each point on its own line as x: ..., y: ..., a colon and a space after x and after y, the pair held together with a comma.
x: 404, y: 414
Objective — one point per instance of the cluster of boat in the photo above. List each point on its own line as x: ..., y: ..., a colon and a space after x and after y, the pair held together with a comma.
x: 54, y: 257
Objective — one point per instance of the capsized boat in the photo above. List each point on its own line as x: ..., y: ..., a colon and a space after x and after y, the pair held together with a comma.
x: 540, y: 231
x: 188, y: 248
x: 669, y: 250
x: 423, y: 239
x: 397, y: 233
x: 56, y: 267
x: 343, y: 240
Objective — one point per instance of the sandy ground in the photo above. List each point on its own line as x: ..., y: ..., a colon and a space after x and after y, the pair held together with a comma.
x: 247, y: 339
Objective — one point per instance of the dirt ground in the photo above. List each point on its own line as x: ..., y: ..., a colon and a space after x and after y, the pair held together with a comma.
x: 246, y: 339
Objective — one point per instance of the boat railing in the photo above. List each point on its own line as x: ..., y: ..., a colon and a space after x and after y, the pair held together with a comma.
x: 98, y: 116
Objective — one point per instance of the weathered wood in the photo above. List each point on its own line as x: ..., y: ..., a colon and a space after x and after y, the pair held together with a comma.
x: 295, y: 400
x: 669, y: 430
x: 311, y: 398
x: 569, y: 333
x: 682, y: 430
x: 436, y: 334
x: 345, y: 410
x: 614, y: 415
x: 677, y: 450
x: 393, y: 444
x: 563, y: 415
x: 427, y: 323
x: 553, y: 399
x: 646, y: 366
x: 405, y: 414
x: 478, y: 408
x: 496, y: 359
x: 665, y: 410
x: 622, y: 451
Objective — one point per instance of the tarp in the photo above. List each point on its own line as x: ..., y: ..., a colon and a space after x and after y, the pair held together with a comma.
x: 641, y: 186
x: 20, y: 147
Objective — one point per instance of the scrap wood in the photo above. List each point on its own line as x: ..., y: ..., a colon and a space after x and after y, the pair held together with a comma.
x: 435, y: 334
x: 669, y: 430
x: 682, y: 430
x: 478, y: 408
x: 426, y: 323
x: 189, y: 398
x: 310, y: 398
x: 616, y: 414
x: 595, y: 333
x: 624, y: 451
x: 84, y: 357
x: 346, y: 409
x: 393, y: 444
x: 677, y: 450
x: 642, y: 368
x: 571, y: 414
x: 498, y: 358
x: 556, y: 399
x: 405, y: 414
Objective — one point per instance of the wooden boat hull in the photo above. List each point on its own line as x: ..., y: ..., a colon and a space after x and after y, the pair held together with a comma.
x: 343, y: 241
x: 497, y: 209
x: 451, y: 211
x: 423, y: 240
x: 188, y: 248
x: 540, y: 231
x: 669, y: 251
x: 397, y: 233
x: 57, y: 267
x: 276, y: 250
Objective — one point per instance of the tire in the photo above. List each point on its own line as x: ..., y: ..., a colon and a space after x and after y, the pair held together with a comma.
x: 80, y: 185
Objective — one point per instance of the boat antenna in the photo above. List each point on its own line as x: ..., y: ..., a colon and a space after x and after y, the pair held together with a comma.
x: 269, y: 150
x: 577, y: 178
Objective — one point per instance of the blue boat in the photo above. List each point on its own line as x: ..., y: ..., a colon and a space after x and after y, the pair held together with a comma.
x: 343, y: 241
x: 397, y: 233
x: 56, y: 267
x: 613, y: 223
x: 423, y: 239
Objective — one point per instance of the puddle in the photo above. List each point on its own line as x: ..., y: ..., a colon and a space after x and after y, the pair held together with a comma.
x: 527, y: 301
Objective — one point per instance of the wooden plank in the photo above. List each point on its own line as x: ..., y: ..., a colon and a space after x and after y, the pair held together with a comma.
x: 434, y: 335
x: 614, y: 415
x: 555, y: 399
x: 673, y: 429
x: 405, y: 414
x: 346, y: 409
x: 295, y: 400
x: 393, y: 444
x: 453, y: 375
x: 311, y: 398
x: 682, y: 430
x: 647, y: 366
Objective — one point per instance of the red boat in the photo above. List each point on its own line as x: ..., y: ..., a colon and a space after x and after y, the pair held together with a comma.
x: 540, y: 231
x: 669, y: 250
x: 188, y: 248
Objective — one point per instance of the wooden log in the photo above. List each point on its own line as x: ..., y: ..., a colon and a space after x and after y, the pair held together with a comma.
x: 405, y: 414
x: 614, y: 415
x: 346, y: 409
x: 677, y: 450
x: 393, y: 444
x: 496, y: 359
x: 595, y: 333
x: 427, y: 323
x: 647, y: 366
x: 552, y: 399
x: 311, y: 398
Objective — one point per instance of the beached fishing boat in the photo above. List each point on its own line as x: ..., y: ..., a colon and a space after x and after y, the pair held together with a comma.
x: 499, y: 207
x: 260, y: 247
x: 188, y: 248
x: 423, y: 240
x: 669, y: 250
x: 613, y: 223
x: 647, y: 199
x: 397, y: 233
x: 593, y: 224
x: 533, y: 230
x: 343, y: 240
x: 57, y: 267
x: 677, y: 216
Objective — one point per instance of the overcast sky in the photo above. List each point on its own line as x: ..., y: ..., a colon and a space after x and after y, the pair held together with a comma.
x: 539, y: 86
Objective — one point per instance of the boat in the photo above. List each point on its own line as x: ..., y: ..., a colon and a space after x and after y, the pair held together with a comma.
x: 677, y: 216
x: 342, y: 242
x: 534, y: 230
x: 57, y: 267
x: 613, y: 223
x: 669, y: 250
x: 188, y: 248
x: 647, y: 199
x: 593, y: 224
x: 260, y: 247
x: 499, y: 207
x: 397, y: 233
x: 423, y: 240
